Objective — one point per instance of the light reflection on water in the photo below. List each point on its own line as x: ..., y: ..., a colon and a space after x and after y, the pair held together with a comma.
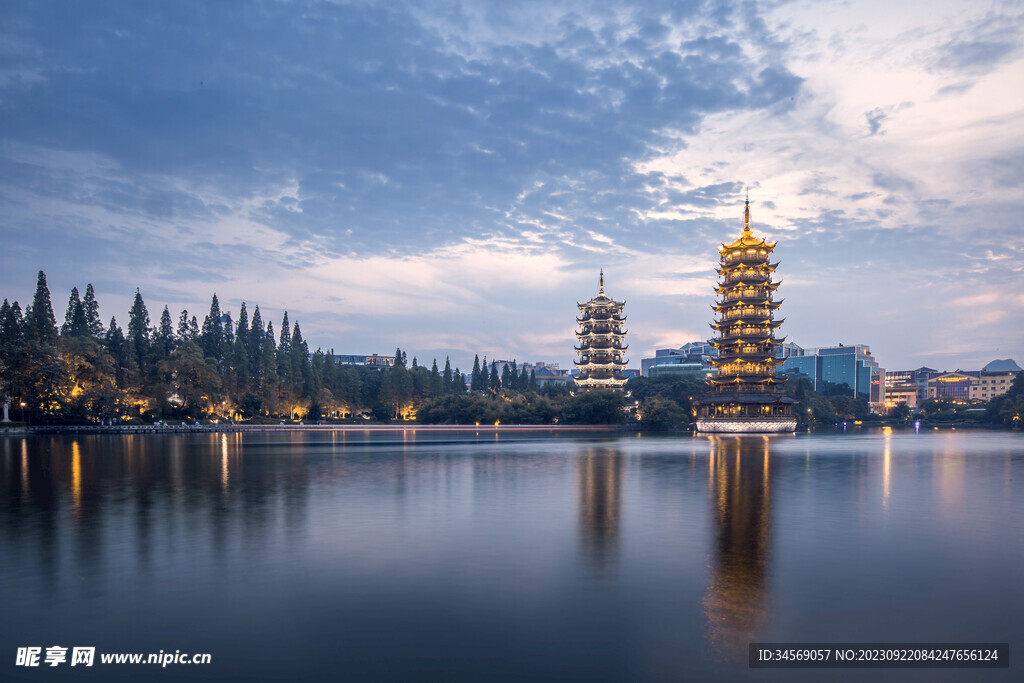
x: 448, y: 556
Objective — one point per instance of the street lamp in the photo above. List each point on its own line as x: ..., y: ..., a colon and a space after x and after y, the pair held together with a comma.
x: 22, y: 411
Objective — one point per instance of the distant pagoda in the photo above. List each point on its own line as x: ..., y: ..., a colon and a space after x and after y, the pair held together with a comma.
x: 600, y: 342
x: 745, y: 395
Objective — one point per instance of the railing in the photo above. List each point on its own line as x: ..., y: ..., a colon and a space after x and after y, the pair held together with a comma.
x: 744, y: 257
x: 746, y: 276
x: 746, y: 313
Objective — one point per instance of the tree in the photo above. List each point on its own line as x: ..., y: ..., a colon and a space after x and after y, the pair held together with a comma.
x: 212, y: 337
x: 42, y: 325
x: 183, y: 327
x: 284, y: 351
x: 475, y: 382
x: 241, y: 353
x: 494, y: 384
x: 446, y: 377
x: 165, y: 334
x: 435, y: 383
x: 506, y: 378
x: 195, y: 383
x: 92, y: 312
x: 662, y: 414
x: 138, y: 330
x: 74, y: 319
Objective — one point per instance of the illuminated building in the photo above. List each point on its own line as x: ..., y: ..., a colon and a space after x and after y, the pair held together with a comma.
x: 745, y: 394
x: 600, y: 342
x: 370, y: 360
x: 954, y: 385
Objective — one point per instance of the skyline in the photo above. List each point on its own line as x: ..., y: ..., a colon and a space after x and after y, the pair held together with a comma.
x: 450, y: 178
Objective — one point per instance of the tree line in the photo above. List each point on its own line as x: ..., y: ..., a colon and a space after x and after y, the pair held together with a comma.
x: 84, y: 371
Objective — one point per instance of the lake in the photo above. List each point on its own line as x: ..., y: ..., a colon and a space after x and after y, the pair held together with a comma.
x: 437, y: 555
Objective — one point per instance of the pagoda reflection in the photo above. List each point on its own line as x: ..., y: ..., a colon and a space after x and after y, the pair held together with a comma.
x: 599, y: 479
x: 735, y: 604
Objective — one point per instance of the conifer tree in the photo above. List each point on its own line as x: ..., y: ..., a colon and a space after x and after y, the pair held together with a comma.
x: 193, y: 329
x: 399, y: 358
x: 506, y: 378
x: 446, y: 378
x: 533, y: 380
x: 523, y: 384
x: 117, y: 347
x: 42, y: 325
x: 300, y: 359
x: 183, y: 330
x: 256, y: 335
x: 241, y: 353
x: 284, y: 352
x: 74, y: 318
x: 138, y: 330
x: 495, y: 380
x: 213, y: 333
x: 92, y: 312
x: 436, y: 384
x: 475, y: 384
x: 165, y: 334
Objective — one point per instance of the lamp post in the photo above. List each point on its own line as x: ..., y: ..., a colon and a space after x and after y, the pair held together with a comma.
x: 22, y: 411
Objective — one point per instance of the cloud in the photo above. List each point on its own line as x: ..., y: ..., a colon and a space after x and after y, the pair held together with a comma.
x: 454, y: 174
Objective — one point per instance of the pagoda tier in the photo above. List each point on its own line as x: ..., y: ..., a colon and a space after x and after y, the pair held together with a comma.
x: 745, y: 395
x: 601, y: 342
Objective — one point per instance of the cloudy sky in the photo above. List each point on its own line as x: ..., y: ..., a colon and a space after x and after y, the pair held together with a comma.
x: 450, y: 176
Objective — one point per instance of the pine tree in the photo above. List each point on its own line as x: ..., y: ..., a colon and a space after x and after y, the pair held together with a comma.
x: 42, y: 325
x: 212, y: 338
x: 138, y: 330
x: 165, y: 334
x: 300, y: 359
x: 193, y: 329
x: 92, y: 312
x: 183, y: 331
x: 494, y: 384
x: 241, y: 352
x: 256, y: 335
x: 10, y: 327
x: 533, y: 380
x: 446, y: 377
x: 284, y: 352
x: 524, y: 381
x: 506, y: 378
x: 74, y: 318
x: 399, y: 358
x: 475, y: 384
x: 117, y: 347
x: 436, y: 384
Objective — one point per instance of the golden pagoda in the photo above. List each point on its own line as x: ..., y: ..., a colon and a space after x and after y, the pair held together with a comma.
x: 745, y: 395
x: 600, y: 344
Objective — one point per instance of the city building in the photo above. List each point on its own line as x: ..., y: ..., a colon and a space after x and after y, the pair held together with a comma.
x: 841, y: 369
x: 957, y: 386
x: 692, y: 358
x: 995, y: 380
x: 899, y: 380
x: 600, y: 342
x: 745, y: 393
x: 545, y: 376
x: 372, y: 360
x: 896, y: 395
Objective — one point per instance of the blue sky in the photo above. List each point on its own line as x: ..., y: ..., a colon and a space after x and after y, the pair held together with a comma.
x: 450, y: 176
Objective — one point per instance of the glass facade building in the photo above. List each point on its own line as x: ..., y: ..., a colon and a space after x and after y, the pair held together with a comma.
x: 831, y: 367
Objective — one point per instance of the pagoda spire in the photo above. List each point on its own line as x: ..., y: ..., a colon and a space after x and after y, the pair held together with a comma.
x: 746, y: 215
x: 601, y: 290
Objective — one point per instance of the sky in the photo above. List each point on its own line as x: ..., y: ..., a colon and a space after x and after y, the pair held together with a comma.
x: 449, y: 177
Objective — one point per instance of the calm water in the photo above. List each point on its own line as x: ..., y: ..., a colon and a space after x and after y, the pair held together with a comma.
x: 419, y: 556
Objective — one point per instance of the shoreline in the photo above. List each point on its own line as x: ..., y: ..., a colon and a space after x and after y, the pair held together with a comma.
x: 217, y: 429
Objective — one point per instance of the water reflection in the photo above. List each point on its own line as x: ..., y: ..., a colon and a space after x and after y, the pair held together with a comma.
x: 735, y: 604
x: 599, y: 481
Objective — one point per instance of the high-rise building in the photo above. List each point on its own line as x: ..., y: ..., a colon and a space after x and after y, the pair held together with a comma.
x: 846, y: 368
x: 745, y: 394
x: 600, y: 342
